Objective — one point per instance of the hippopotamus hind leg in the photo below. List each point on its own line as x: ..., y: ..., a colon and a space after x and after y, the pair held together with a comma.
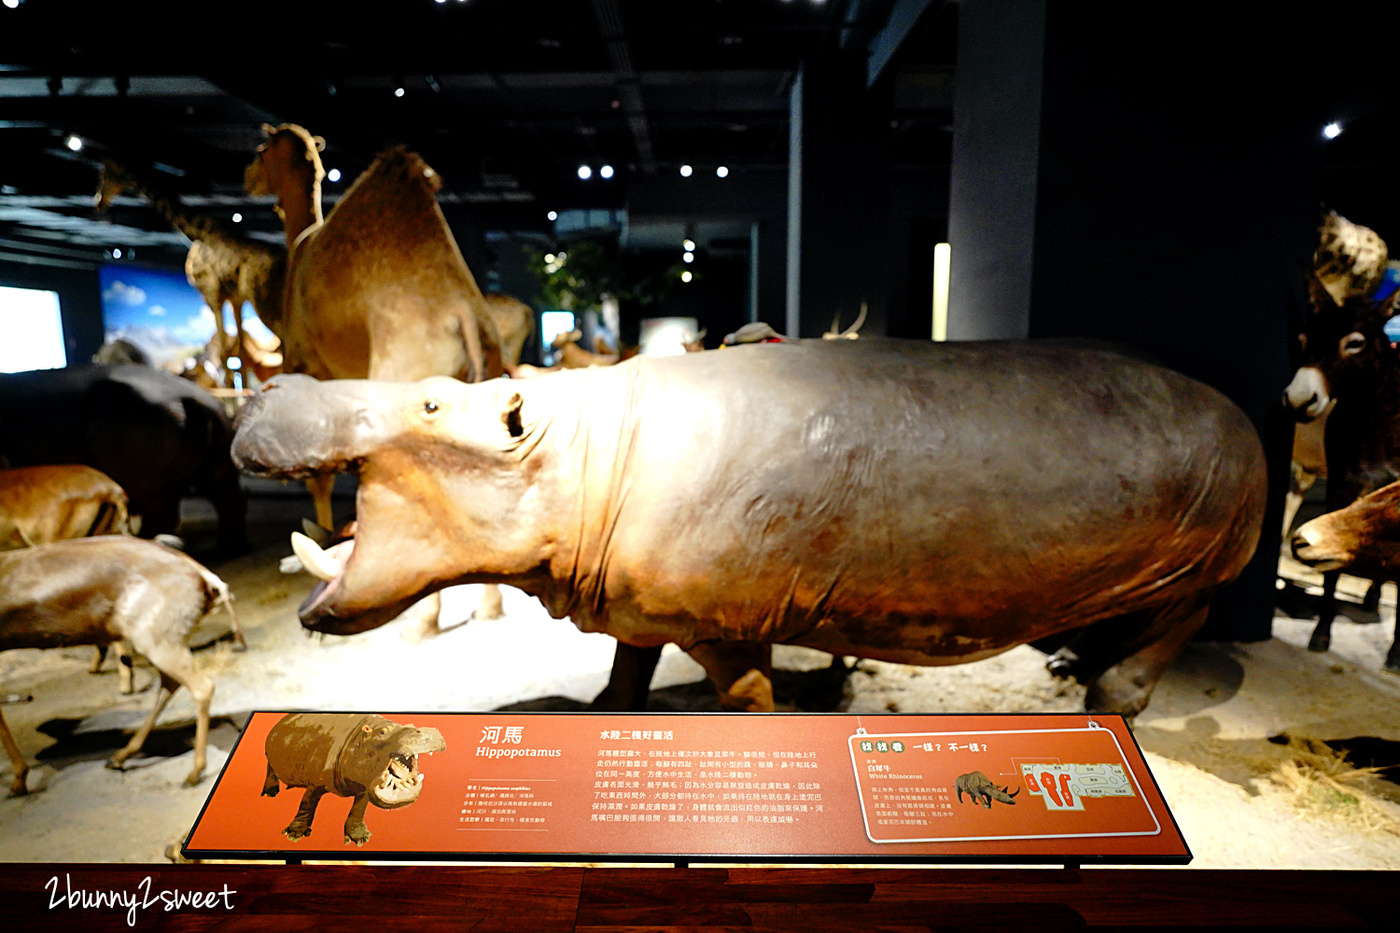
x: 300, y: 826
x: 1126, y: 686
x: 355, y: 829
x: 742, y: 671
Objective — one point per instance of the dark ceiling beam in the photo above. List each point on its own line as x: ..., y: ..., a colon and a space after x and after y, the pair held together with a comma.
x: 629, y: 90
x: 884, y: 46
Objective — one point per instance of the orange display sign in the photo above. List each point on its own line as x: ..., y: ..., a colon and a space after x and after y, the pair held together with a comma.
x: 686, y: 787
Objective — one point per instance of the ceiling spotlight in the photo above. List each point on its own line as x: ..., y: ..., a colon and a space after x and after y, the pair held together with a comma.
x: 689, y: 257
x: 117, y: 253
x: 398, y: 91
x: 686, y: 276
x: 12, y: 4
x: 1332, y: 130
x: 237, y: 217
x: 549, y: 257
x: 74, y: 143
x: 553, y: 215
x: 688, y: 245
x: 686, y: 170
x: 585, y: 172
x: 606, y: 171
x: 722, y: 171
x: 333, y: 175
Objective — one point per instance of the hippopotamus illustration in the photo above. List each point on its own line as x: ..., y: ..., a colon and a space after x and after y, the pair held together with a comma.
x: 908, y: 501
x: 980, y: 789
x: 349, y: 755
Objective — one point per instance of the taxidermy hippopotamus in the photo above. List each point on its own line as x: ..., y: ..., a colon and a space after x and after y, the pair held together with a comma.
x: 349, y: 755
x: 909, y: 501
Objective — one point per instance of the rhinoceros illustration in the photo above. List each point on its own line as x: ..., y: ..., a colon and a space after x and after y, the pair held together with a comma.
x: 981, y: 789
x: 368, y: 758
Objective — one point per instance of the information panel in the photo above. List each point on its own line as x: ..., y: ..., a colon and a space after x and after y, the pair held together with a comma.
x: 694, y: 786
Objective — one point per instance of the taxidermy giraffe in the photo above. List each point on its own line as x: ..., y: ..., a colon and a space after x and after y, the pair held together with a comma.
x: 222, y: 266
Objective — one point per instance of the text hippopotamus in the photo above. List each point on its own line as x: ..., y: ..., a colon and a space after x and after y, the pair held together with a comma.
x: 349, y: 755
x: 913, y: 502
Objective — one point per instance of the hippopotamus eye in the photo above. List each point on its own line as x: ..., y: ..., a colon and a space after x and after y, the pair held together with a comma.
x: 430, y: 407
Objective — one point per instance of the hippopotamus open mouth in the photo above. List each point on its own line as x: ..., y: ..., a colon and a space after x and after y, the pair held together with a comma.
x: 402, y: 782
x: 326, y: 565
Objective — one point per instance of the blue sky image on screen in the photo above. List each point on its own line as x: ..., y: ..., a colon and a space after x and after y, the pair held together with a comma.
x: 161, y: 313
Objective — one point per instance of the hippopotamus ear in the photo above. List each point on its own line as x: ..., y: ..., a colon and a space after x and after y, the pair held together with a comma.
x: 510, y: 415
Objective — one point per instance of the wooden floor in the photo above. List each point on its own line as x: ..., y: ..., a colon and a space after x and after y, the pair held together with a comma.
x: 628, y: 900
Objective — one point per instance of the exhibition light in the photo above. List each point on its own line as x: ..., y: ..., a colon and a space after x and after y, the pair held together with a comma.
x: 398, y: 91
x: 722, y: 171
x: 553, y: 215
x: 1332, y: 130
x: 689, y: 246
x: 689, y: 257
x: 548, y: 257
x: 942, y: 265
x: 12, y: 4
x: 237, y: 217
x: 333, y: 175
x: 116, y: 252
x: 686, y: 170
x: 686, y: 276
x: 606, y: 171
x: 74, y: 143
x: 585, y: 172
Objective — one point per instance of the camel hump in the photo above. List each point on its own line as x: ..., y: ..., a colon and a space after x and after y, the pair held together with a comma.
x: 400, y: 162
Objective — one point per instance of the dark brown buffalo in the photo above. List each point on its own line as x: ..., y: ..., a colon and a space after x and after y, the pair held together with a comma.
x: 1363, y: 538
x: 913, y: 502
x: 158, y: 436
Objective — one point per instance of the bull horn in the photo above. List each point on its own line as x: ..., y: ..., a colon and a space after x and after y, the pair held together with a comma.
x: 1006, y: 789
x: 313, y: 558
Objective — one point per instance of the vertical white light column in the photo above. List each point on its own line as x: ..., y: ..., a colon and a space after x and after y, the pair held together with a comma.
x: 942, y: 262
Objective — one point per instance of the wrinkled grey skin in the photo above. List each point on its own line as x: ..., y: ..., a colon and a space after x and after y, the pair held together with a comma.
x: 909, y: 501
x: 369, y: 758
x: 980, y: 789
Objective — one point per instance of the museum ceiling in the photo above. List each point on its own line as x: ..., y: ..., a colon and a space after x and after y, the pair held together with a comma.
x: 505, y: 98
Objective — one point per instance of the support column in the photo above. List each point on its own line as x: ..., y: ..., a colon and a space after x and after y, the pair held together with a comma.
x: 838, y: 247
x: 1103, y: 189
x: 996, y: 156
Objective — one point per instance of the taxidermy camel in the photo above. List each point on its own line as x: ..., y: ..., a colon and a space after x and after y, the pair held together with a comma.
x: 222, y: 266
x: 377, y: 289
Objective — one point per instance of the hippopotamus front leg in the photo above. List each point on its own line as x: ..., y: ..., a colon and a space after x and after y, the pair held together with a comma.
x: 300, y: 826
x: 355, y: 829
x: 271, y: 786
